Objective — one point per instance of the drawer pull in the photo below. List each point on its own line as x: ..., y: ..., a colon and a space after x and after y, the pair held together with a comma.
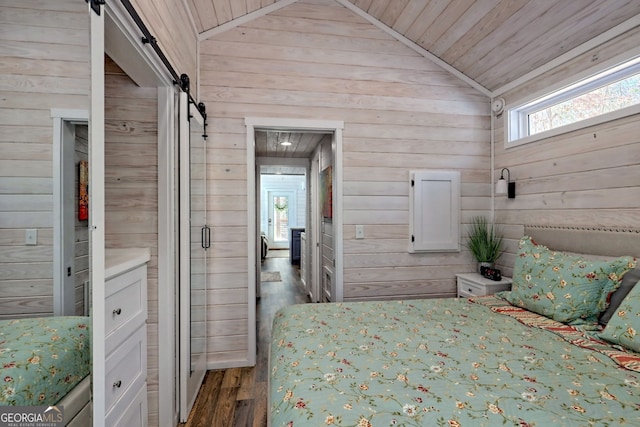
x: 469, y: 290
x: 117, y: 312
x: 117, y: 384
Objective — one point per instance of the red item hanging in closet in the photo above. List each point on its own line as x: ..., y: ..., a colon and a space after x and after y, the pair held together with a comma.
x: 83, y: 190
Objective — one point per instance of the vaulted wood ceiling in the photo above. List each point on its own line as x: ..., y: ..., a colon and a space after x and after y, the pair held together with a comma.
x: 491, y: 41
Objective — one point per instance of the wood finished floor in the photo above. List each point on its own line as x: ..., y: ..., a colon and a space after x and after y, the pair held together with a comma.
x: 238, y: 397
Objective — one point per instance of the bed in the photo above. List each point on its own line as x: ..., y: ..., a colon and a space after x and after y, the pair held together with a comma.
x: 47, y: 361
x: 465, y: 362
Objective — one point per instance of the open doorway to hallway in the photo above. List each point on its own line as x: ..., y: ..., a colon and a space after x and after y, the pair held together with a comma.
x: 265, y: 138
x: 288, y: 217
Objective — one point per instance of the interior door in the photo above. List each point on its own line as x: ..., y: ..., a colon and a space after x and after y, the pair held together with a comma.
x: 316, y: 229
x: 194, y: 239
x: 97, y: 214
x: 281, y: 216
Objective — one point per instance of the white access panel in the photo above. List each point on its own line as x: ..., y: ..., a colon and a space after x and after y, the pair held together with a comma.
x: 434, y: 211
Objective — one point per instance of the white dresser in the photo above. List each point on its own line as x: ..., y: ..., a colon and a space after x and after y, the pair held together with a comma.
x: 126, y: 337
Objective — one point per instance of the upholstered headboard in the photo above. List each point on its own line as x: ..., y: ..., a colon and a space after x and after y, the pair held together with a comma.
x: 586, y: 240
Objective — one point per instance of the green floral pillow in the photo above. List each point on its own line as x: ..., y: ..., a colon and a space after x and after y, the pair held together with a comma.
x: 624, y: 326
x: 564, y: 287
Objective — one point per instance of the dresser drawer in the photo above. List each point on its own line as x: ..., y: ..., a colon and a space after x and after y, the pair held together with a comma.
x: 126, y: 306
x: 126, y: 369
x: 133, y: 412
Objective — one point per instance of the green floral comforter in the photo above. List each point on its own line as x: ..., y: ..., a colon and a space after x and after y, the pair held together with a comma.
x: 42, y: 359
x: 440, y: 362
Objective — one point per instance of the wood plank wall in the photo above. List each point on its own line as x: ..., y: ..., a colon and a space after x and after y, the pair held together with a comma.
x: 131, y: 191
x: 315, y: 59
x: 170, y: 23
x: 44, y: 64
x: 586, y: 178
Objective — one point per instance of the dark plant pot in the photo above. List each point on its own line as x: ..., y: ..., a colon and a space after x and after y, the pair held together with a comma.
x: 483, y: 265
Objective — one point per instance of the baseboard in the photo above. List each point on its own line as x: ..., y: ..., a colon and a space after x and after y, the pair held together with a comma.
x: 228, y: 364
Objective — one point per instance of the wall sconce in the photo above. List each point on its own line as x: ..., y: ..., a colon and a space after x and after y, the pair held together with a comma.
x: 505, y: 186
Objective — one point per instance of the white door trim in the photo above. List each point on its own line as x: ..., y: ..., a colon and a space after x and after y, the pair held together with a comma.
x: 167, y: 297
x: 253, y: 242
x: 338, y: 219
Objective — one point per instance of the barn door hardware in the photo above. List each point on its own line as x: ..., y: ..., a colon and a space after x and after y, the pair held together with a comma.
x: 203, y: 111
x: 183, y: 80
x: 185, y: 84
x: 95, y: 5
x: 149, y: 40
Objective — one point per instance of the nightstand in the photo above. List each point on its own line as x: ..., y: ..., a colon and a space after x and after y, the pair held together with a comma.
x: 475, y: 285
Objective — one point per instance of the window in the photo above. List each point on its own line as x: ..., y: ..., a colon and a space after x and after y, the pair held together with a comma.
x: 608, y: 95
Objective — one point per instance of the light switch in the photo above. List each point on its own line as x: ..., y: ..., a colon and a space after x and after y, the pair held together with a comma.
x: 359, y: 231
x: 31, y: 237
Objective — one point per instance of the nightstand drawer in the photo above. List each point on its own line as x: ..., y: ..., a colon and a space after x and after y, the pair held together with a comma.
x: 474, y: 285
x: 468, y: 289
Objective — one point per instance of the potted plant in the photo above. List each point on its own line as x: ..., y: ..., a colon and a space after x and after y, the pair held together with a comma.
x: 484, y: 242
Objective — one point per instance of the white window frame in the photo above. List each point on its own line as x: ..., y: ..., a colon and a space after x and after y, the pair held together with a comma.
x: 517, y: 117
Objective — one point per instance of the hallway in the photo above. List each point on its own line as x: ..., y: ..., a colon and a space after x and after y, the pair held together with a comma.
x: 238, y: 397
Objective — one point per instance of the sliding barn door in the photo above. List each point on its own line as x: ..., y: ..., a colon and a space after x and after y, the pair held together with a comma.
x: 97, y: 215
x: 194, y: 239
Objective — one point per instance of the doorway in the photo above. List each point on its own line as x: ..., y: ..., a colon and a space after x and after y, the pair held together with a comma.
x: 254, y: 245
x: 70, y: 222
x: 281, y: 216
x: 334, y: 154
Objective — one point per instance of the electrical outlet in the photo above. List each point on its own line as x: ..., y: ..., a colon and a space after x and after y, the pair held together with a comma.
x: 359, y: 231
x: 31, y: 237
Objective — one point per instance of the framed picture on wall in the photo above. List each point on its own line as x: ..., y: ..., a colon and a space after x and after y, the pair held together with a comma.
x: 326, y: 192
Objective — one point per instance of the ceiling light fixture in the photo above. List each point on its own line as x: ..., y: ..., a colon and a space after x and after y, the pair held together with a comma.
x: 285, y: 143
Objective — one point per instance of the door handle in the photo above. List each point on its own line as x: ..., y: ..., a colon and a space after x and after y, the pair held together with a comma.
x: 205, y: 237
